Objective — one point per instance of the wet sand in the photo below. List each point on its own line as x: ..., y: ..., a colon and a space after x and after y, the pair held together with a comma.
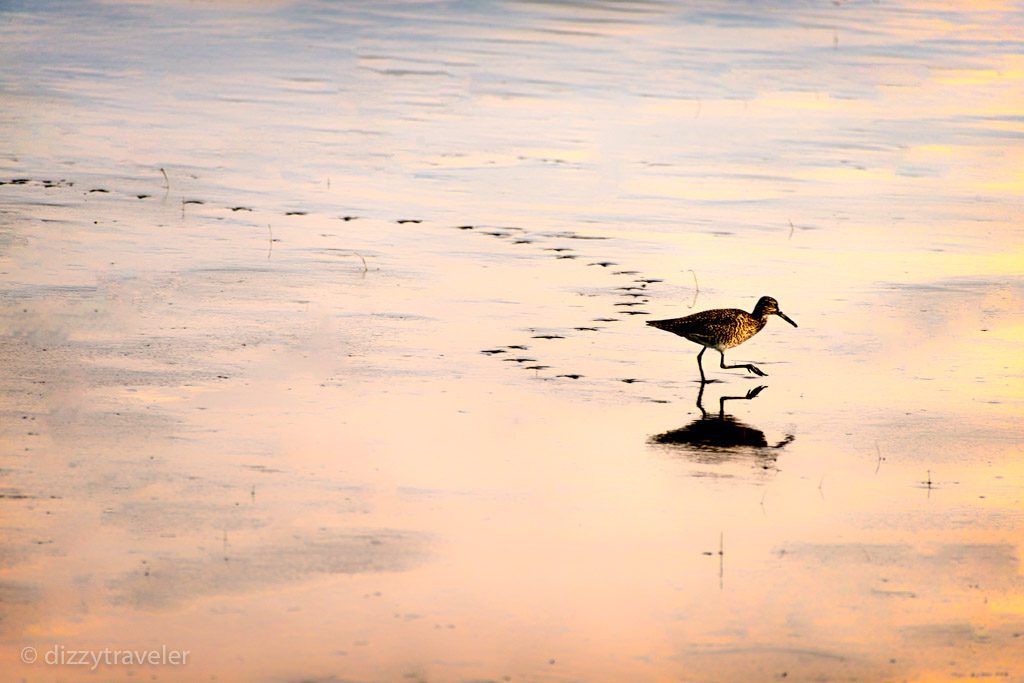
x: 325, y: 358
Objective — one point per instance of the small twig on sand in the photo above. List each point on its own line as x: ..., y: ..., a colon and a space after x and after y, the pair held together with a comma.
x: 356, y: 253
x: 721, y: 559
x: 166, y: 179
x: 696, y: 287
x: 361, y: 259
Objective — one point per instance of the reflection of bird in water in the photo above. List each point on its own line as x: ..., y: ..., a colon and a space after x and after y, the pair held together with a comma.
x: 723, y: 328
x: 719, y: 432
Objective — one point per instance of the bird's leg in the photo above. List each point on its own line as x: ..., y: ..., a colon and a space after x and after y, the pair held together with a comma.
x: 752, y: 368
x: 752, y: 394
x: 701, y: 367
x: 700, y: 398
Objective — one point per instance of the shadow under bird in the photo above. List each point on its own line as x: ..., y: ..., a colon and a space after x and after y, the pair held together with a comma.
x: 723, y: 328
x: 721, y: 433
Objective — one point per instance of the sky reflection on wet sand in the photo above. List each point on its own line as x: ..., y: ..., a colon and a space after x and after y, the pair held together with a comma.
x: 362, y: 389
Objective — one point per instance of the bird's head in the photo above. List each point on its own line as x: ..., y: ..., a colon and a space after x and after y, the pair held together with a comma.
x: 768, y: 306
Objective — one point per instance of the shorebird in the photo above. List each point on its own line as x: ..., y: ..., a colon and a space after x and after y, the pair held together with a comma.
x: 723, y: 328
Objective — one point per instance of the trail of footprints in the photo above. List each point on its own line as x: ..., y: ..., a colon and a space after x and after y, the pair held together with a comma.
x: 634, y: 294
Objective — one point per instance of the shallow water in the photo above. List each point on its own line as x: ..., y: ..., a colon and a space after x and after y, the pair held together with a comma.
x: 322, y: 328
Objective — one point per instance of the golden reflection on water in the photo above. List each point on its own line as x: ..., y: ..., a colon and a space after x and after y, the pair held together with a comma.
x: 262, y: 427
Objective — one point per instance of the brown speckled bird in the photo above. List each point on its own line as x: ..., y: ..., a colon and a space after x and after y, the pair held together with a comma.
x: 723, y: 328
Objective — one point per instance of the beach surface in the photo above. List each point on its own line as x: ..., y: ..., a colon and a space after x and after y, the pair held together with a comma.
x: 324, y: 351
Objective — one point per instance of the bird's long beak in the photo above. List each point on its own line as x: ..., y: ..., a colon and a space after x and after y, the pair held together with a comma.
x: 786, y: 318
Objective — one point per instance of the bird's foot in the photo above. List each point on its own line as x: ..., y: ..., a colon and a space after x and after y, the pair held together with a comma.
x: 754, y: 392
x: 757, y: 371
